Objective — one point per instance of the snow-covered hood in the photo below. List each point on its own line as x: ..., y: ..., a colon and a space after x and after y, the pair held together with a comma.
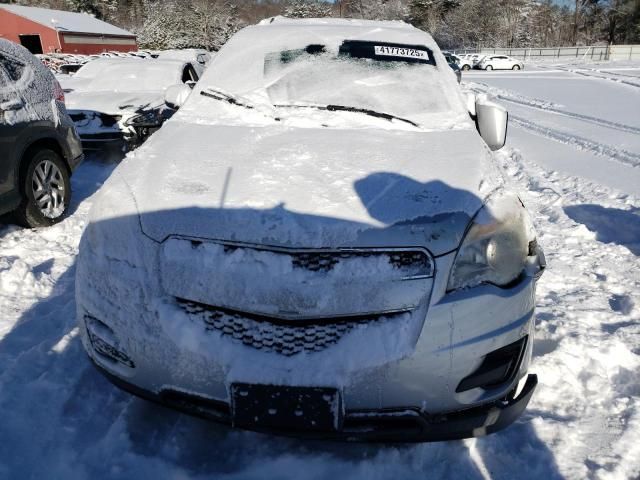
x: 311, y: 187
x: 113, y: 103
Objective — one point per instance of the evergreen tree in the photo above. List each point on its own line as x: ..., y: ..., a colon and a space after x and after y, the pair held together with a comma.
x: 308, y: 9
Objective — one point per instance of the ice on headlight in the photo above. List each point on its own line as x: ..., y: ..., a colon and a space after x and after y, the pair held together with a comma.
x: 496, y: 246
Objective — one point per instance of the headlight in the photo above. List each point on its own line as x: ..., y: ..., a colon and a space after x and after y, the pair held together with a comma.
x: 495, y: 247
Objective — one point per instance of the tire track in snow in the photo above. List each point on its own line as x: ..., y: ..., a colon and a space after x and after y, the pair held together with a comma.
x: 549, y: 107
x: 601, y: 77
x: 587, y: 404
x: 610, y: 72
x: 623, y: 156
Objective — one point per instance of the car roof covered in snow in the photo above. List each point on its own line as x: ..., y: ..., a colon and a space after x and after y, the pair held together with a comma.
x: 105, y: 62
x: 66, y: 21
x: 387, y: 30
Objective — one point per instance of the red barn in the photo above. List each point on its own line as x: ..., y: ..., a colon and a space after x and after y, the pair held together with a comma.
x: 42, y: 30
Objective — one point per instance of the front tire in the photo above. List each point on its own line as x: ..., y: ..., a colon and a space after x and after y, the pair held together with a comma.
x: 488, y: 68
x: 46, y: 190
x: 466, y: 67
x: 516, y: 67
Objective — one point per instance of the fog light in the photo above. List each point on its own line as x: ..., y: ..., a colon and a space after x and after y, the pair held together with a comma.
x: 104, y: 342
x: 497, y: 368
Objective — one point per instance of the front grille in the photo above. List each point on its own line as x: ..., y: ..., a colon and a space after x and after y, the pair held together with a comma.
x: 417, y: 262
x: 317, y: 262
x: 272, y: 334
x: 412, y: 262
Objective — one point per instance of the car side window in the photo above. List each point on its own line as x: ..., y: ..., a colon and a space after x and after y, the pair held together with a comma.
x: 4, y: 79
x: 7, y: 93
x: 14, y: 69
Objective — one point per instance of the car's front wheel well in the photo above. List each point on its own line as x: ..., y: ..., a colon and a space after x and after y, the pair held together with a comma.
x: 32, y: 149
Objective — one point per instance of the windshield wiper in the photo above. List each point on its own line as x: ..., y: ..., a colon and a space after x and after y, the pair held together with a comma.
x: 225, y: 97
x: 344, y: 108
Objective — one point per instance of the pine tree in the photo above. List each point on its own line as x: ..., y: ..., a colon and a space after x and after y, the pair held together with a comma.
x: 85, y: 6
x: 308, y: 9
x: 375, y: 9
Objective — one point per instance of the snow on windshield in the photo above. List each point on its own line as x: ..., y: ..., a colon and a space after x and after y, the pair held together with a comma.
x: 329, y: 65
x: 391, y: 83
x: 92, y: 68
x: 136, y: 76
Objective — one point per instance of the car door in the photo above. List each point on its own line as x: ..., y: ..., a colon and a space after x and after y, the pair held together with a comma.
x: 9, y: 101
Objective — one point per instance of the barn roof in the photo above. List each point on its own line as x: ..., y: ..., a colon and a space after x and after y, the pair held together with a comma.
x: 67, y: 21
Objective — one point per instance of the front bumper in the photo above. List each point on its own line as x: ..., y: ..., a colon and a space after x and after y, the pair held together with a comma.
x: 384, y: 425
x: 104, y: 141
x: 388, y: 392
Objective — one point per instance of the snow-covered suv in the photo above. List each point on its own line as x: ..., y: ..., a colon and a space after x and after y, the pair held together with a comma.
x: 39, y: 147
x: 318, y: 242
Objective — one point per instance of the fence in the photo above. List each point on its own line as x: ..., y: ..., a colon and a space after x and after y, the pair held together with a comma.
x: 597, y: 52
x: 624, y: 52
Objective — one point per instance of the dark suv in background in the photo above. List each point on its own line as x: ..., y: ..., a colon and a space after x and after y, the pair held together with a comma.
x: 39, y: 147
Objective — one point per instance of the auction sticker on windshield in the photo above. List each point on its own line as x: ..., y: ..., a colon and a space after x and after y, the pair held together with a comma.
x: 401, y: 52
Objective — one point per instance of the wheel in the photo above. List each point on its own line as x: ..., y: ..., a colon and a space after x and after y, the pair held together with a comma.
x: 46, y: 190
x: 488, y: 67
x: 516, y: 67
x: 466, y: 67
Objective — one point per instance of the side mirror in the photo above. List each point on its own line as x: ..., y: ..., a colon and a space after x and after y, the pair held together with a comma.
x: 176, y: 95
x: 492, y: 122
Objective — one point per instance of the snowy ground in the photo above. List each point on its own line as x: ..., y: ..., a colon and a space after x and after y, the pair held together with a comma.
x: 574, y: 153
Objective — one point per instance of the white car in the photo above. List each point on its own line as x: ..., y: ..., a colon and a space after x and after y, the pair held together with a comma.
x: 472, y: 58
x: 199, y: 58
x: 319, y: 242
x: 116, y: 103
x: 499, y: 62
x: 465, y: 62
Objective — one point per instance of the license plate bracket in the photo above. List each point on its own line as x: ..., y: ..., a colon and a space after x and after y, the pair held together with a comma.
x: 281, y: 407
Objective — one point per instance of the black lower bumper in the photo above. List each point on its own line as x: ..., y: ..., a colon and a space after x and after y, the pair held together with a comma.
x: 102, y: 142
x: 388, y: 425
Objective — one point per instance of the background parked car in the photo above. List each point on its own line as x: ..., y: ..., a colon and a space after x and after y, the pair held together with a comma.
x: 116, y: 103
x: 500, y: 62
x: 471, y: 59
x: 197, y: 57
x: 464, y: 62
x: 39, y: 145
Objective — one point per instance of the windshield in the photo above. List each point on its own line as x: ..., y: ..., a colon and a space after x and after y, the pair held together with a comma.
x: 136, y: 76
x: 395, y: 79
x: 398, y: 72
x: 91, y: 69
